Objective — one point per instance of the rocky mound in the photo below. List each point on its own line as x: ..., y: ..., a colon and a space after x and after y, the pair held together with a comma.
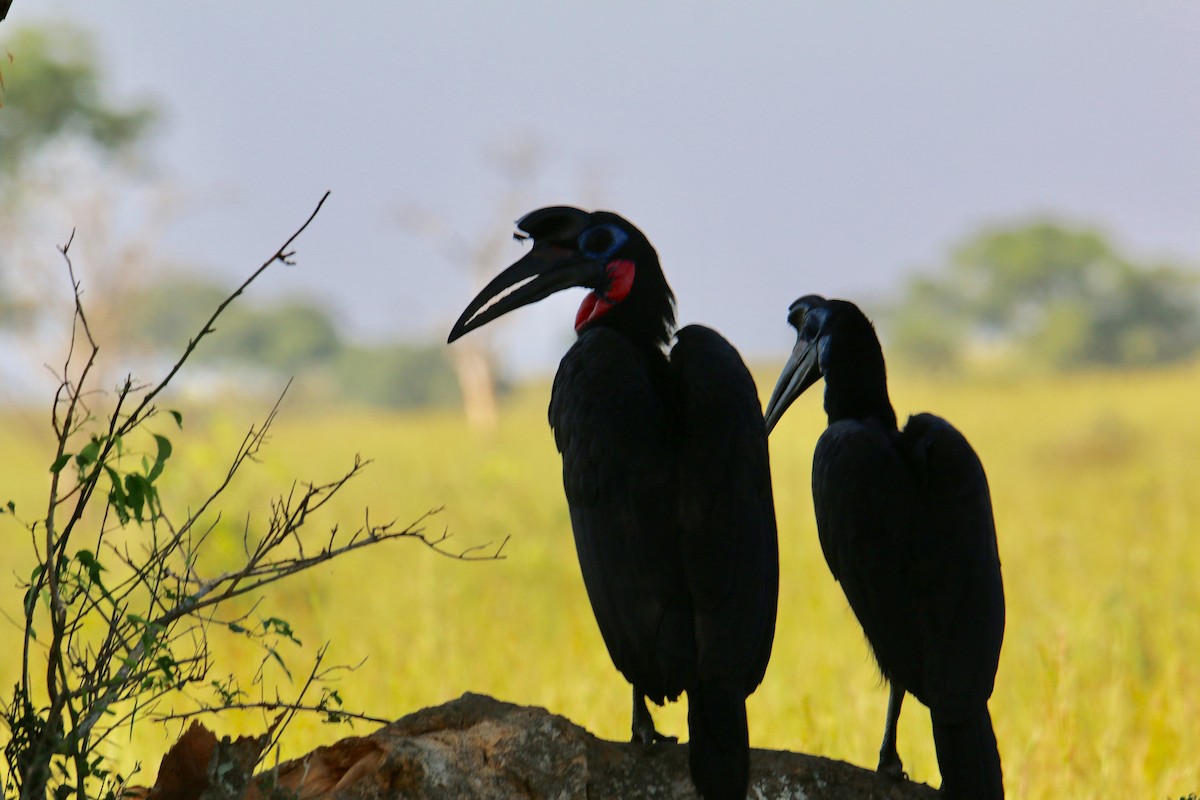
x: 477, y: 746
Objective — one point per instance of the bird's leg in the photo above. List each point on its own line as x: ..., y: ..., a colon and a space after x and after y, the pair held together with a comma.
x: 889, y: 759
x: 643, y: 723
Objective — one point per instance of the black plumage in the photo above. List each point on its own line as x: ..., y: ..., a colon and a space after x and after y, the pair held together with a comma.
x: 667, y: 477
x: 905, y: 522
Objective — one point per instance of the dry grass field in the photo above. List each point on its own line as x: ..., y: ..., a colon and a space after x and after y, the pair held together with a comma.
x: 1096, y: 486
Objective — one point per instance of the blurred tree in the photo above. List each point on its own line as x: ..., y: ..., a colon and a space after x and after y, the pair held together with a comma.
x: 163, y: 314
x: 397, y: 375
x: 928, y: 327
x: 283, y: 336
x: 61, y: 132
x: 291, y: 337
x: 63, y: 143
x: 286, y: 337
x: 1061, y: 296
x: 54, y: 89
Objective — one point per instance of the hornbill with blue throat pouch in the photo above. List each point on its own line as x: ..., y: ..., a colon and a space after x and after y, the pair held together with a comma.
x: 667, y: 477
x: 905, y: 522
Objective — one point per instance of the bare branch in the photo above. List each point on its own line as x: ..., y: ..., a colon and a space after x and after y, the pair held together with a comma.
x: 282, y: 255
x: 122, y: 642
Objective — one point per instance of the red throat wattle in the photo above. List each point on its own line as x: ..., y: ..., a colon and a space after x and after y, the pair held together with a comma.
x: 601, y: 301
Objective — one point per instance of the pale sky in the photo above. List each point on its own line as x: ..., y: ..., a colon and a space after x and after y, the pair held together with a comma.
x: 767, y: 149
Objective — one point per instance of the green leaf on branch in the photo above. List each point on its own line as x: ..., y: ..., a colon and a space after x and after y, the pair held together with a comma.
x: 164, y: 452
x: 59, y: 463
x: 88, y: 561
x: 330, y: 705
x: 228, y: 691
x: 136, y: 490
x: 280, y: 627
x: 33, y: 592
x: 279, y: 660
x: 166, y: 664
x: 90, y: 453
x: 132, y: 498
x: 117, y: 498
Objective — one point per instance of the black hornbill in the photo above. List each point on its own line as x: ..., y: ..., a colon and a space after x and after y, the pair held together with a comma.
x: 667, y: 477
x: 905, y: 521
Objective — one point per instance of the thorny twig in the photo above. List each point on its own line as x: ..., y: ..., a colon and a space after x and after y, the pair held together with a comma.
x: 143, y: 636
x: 290, y: 708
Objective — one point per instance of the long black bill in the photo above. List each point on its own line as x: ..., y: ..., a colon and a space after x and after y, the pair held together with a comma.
x: 801, y: 371
x: 550, y: 274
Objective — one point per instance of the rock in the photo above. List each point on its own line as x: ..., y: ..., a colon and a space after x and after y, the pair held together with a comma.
x: 477, y: 746
x: 198, y: 767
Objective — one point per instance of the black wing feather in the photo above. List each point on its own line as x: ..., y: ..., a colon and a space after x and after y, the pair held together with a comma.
x: 726, y: 510
x: 905, y: 522
x: 964, y: 591
x: 609, y: 412
x: 863, y: 499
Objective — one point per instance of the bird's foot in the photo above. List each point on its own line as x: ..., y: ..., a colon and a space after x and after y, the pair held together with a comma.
x: 644, y: 732
x: 649, y: 737
x: 890, y: 766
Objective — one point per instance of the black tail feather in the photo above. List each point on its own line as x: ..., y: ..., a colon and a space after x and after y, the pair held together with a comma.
x: 968, y: 758
x: 719, y: 742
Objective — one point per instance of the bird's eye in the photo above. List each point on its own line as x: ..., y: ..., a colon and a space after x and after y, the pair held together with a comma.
x: 814, y: 320
x: 601, y: 241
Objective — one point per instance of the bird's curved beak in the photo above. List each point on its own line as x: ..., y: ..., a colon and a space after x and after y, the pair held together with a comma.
x: 552, y: 268
x: 801, y: 371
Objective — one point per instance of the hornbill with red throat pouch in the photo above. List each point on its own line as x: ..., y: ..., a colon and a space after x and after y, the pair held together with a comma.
x: 905, y: 522
x: 667, y: 477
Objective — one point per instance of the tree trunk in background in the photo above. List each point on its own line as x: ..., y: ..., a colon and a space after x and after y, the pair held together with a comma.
x: 517, y: 161
x: 476, y: 372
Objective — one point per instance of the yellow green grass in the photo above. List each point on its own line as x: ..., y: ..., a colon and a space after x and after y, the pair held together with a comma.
x: 1096, y: 486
